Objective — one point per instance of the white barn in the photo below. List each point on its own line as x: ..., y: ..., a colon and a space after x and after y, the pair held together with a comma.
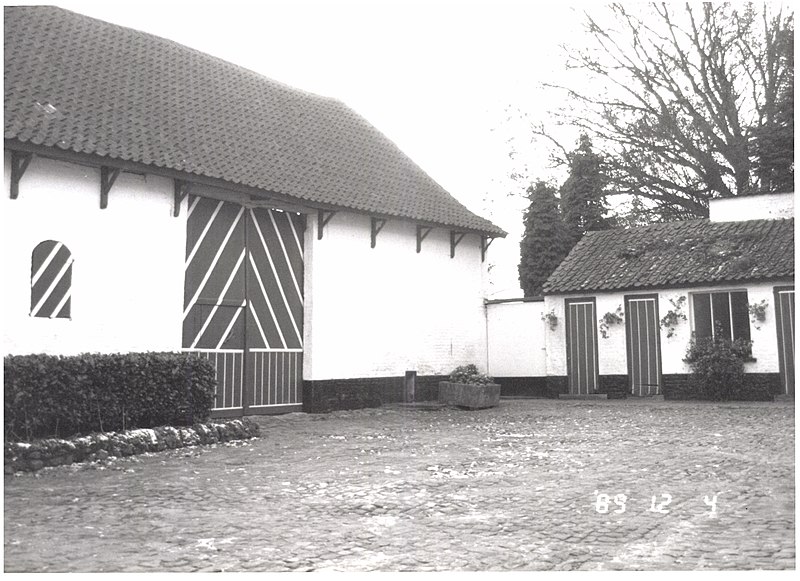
x: 160, y: 199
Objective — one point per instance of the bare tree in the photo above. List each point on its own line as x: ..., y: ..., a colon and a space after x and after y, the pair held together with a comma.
x: 688, y: 91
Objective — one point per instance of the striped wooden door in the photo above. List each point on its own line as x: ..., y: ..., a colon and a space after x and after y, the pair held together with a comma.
x: 243, y: 303
x: 784, y: 314
x: 581, y: 346
x: 275, y: 309
x: 644, y: 347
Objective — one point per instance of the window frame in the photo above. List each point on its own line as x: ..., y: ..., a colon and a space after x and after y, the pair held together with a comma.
x: 55, y: 273
x: 729, y: 292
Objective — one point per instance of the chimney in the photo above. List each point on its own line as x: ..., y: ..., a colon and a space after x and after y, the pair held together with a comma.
x: 753, y: 207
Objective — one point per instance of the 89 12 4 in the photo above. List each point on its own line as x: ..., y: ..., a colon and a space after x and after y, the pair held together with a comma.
x: 618, y: 503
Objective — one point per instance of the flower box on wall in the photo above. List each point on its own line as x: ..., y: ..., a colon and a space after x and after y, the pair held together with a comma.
x: 469, y: 395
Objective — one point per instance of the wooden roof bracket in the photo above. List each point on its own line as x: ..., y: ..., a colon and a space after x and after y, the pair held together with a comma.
x: 455, y: 239
x: 181, y: 191
x: 422, y: 233
x: 19, y: 163
x: 108, y: 175
x: 322, y: 220
x: 377, y: 226
x: 486, y: 241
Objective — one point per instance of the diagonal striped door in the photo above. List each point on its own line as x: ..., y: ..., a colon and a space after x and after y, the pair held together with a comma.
x: 581, y: 346
x: 275, y: 309
x: 243, y: 303
x: 784, y: 315
x: 644, y: 348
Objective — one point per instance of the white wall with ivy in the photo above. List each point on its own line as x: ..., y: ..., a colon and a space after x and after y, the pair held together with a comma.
x: 675, y: 330
x: 763, y: 333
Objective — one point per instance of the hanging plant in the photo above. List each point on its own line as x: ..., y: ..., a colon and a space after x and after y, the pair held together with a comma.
x: 674, y: 315
x: 758, y: 312
x: 615, y: 318
x: 551, y: 318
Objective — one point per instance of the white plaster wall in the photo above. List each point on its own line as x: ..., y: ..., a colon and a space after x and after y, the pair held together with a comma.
x: 758, y: 207
x: 127, y: 278
x: 612, y: 352
x: 379, y: 312
x: 516, y: 339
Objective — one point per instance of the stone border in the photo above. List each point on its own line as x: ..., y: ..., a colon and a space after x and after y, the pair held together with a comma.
x: 29, y: 457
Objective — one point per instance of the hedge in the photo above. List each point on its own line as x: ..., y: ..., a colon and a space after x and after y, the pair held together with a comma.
x: 58, y: 396
x: 717, y: 365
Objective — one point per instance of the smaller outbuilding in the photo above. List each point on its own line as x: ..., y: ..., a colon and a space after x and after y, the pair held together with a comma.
x: 620, y: 311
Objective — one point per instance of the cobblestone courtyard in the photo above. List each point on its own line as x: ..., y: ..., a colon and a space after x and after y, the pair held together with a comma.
x: 531, y: 485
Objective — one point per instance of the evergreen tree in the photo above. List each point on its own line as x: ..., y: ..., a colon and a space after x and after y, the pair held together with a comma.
x: 582, y: 196
x: 773, y: 141
x: 546, y: 241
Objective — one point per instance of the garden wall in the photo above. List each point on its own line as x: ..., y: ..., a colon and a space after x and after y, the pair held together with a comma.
x: 26, y: 457
x: 516, y: 356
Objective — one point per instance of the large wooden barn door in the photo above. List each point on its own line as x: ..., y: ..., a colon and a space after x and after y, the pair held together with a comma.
x: 243, y: 303
x: 784, y: 307
x: 644, y: 347
x: 581, y: 346
x: 275, y: 299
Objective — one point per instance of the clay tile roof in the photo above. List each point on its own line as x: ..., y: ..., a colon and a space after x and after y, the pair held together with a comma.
x: 677, y: 254
x: 88, y: 86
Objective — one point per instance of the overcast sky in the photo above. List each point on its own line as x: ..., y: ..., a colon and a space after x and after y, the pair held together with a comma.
x: 436, y: 76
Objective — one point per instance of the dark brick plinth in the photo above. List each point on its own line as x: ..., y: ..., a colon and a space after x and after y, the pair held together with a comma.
x: 614, y: 386
x: 557, y: 384
x: 522, y: 386
x: 758, y: 387
x: 370, y: 392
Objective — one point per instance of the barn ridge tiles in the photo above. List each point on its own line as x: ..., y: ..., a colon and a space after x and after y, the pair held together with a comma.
x: 135, y: 97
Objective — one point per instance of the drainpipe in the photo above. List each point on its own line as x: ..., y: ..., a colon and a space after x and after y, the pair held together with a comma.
x: 486, y: 325
x: 410, y: 386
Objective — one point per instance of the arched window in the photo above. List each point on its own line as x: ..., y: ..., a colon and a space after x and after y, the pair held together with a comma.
x: 51, y: 280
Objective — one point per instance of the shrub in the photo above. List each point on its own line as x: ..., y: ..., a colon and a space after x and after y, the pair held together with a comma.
x: 48, y: 395
x: 718, y: 365
x: 469, y: 374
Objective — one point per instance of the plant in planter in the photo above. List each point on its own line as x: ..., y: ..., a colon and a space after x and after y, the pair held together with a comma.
x: 758, y: 312
x: 551, y: 318
x: 615, y: 318
x: 674, y: 315
x: 469, y: 388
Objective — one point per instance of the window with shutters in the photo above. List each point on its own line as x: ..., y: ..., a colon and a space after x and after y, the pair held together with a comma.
x: 51, y: 280
x: 725, y: 311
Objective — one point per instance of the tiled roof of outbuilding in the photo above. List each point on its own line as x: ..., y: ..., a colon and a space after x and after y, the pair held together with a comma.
x: 677, y: 254
x: 83, y: 85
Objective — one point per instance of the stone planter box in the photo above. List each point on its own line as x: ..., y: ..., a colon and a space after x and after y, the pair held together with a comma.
x: 468, y: 395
